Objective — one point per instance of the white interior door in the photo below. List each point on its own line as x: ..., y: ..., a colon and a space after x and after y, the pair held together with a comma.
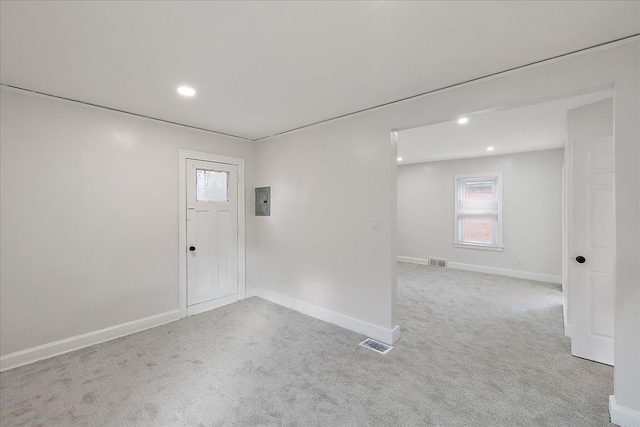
x: 212, y: 232
x: 592, y: 246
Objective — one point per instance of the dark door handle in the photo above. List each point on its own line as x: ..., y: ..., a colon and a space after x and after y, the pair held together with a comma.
x: 193, y: 248
x: 580, y: 259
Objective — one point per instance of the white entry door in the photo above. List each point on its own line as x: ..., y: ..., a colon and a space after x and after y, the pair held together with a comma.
x: 212, y: 233
x: 592, y: 245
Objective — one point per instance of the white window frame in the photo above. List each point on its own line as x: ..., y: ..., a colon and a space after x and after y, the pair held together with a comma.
x: 488, y: 210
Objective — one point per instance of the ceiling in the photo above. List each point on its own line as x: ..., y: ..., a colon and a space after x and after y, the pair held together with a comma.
x: 262, y: 68
x: 530, y: 128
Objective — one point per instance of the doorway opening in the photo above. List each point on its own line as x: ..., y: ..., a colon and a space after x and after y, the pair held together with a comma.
x: 496, y: 192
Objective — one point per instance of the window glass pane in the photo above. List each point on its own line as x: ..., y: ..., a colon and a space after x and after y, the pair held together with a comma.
x: 212, y: 186
x: 479, y: 190
x: 478, y: 231
x: 477, y: 210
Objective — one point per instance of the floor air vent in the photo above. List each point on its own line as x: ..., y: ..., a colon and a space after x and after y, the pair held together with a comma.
x: 438, y: 262
x: 376, y: 346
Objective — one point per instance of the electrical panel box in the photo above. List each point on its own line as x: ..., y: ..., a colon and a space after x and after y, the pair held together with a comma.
x: 263, y: 201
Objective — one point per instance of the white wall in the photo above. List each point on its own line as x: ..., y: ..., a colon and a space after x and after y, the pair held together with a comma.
x: 328, y: 180
x: 89, y: 217
x: 318, y: 247
x: 532, y: 212
x: 590, y: 121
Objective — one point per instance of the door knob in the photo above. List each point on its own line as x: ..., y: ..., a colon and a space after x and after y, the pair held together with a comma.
x: 193, y: 248
x: 580, y: 259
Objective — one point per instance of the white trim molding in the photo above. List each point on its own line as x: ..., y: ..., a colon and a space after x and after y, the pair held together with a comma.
x: 481, y: 247
x: 622, y: 416
x: 567, y: 330
x: 45, y: 351
x: 567, y: 325
x: 527, y: 275
x: 183, y: 155
x: 395, y: 334
x: 387, y: 336
x: 413, y: 260
x: 538, y: 277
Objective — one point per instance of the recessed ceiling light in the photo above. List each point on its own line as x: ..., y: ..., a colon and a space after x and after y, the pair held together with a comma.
x: 489, y: 148
x: 462, y: 120
x: 399, y: 159
x: 186, y: 91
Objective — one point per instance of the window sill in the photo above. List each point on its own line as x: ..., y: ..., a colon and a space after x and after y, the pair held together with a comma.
x: 481, y: 247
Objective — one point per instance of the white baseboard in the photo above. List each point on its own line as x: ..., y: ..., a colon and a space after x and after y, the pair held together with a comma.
x: 567, y: 330
x: 395, y: 334
x: 413, y: 260
x: 622, y: 416
x: 538, y: 277
x: 387, y: 336
x: 210, y: 305
x: 45, y: 351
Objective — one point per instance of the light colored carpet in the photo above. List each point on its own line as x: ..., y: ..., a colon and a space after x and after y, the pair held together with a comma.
x: 476, y: 350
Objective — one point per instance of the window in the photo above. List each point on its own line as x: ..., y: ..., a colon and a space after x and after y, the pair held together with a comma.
x: 212, y: 186
x: 478, y: 211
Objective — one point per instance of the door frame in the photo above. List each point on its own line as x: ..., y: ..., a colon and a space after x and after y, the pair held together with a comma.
x: 183, y: 155
x: 567, y: 247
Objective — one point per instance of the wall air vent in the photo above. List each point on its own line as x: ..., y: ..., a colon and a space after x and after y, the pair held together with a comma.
x: 438, y: 262
x: 376, y: 346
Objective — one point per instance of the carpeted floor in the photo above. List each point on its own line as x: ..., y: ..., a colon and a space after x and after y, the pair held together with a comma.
x: 475, y: 350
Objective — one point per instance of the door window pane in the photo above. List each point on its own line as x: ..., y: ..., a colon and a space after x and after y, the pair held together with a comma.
x: 212, y: 186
